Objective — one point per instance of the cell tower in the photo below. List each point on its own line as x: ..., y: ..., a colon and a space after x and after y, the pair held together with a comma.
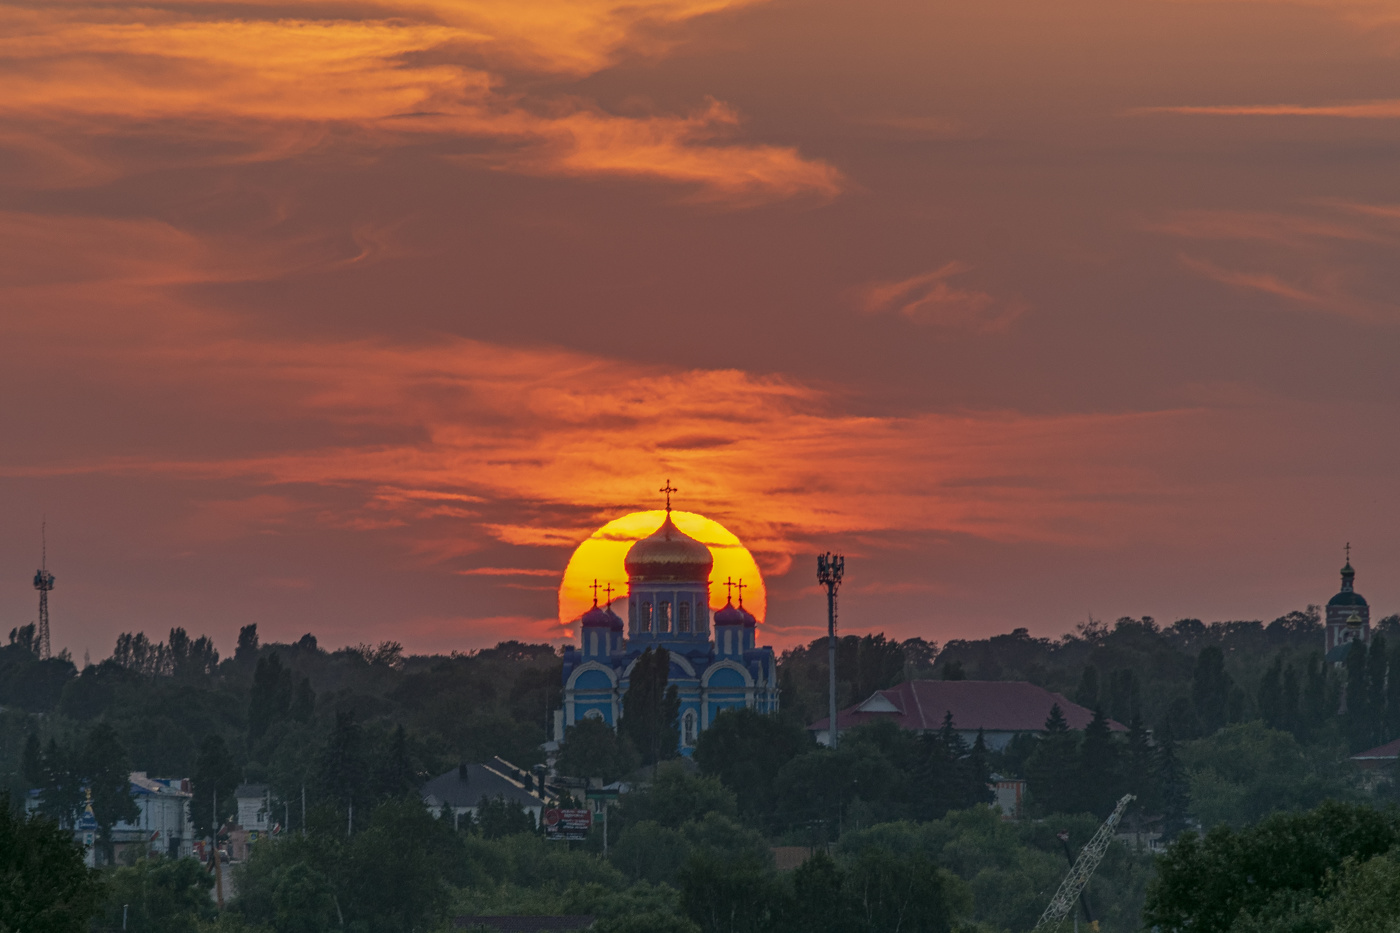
x: 43, y: 582
x: 830, y: 569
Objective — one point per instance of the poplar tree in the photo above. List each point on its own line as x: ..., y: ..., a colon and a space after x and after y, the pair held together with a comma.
x: 651, y: 707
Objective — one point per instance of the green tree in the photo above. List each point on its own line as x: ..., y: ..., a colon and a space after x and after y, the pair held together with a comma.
x: 497, y: 817
x: 1052, y: 773
x: 108, y: 773
x: 676, y: 796
x: 1172, y: 790
x: 44, y: 885
x: 593, y: 749
x: 1211, y: 688
x: 906, y: 893
x: 727, y: 895
x: 1099, y: 783
x: 820, y: 903
x: 1246, y: 771
x: 745, y: 749
x: 271, y: 696
x: 1366, y: 896
x: 159, y: 895
x: 651, y: 708
x: 216, y: 777
x: 1209, y: 884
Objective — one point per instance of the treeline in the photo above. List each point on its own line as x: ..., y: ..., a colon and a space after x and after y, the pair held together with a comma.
x: 362, y: 723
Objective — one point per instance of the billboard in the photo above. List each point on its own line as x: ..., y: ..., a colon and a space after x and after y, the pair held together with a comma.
x: 567, y: 824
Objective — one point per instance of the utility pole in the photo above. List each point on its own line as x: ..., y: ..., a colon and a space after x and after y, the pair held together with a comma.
x: 303, y: 809
x: 830, y: 568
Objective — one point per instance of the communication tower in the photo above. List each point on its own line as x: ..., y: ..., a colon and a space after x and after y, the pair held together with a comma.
x: 43, y: 582
x: 830, y: 569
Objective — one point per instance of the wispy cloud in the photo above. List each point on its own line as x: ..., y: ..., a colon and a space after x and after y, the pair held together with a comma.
x: 1387, y: 109
x: 930, y: 298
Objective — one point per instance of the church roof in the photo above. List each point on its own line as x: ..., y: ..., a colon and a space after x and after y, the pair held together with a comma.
x: 669, y: 554
x: 993, y: 705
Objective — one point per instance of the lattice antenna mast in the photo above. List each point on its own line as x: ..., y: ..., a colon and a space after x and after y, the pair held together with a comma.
x: 1065, y: 898
x: 43, y: 582
x: 830, y: 568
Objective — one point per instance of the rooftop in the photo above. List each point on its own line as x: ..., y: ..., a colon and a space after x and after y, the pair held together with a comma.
x: 993, y: 705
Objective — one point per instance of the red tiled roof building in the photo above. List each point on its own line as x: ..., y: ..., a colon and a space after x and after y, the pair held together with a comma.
x: 1000, y: 708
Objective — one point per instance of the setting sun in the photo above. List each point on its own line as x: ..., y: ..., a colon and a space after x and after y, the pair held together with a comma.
x: 600, y: 558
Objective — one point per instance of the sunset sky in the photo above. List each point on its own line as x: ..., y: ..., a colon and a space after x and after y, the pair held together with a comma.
x: 357, y: 316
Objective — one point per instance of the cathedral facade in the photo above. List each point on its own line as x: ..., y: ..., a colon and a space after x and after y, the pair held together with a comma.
x: 716, y: 663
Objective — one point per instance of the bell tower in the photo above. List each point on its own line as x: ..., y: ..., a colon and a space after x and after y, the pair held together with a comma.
x: 1348, y: 615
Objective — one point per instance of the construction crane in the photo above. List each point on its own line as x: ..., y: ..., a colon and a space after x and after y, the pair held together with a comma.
x: 1063, y: 903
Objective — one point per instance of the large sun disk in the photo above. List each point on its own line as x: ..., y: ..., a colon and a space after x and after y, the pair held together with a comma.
x: 601, y: 557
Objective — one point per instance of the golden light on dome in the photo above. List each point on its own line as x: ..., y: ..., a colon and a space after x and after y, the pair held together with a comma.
x: 601, y: 556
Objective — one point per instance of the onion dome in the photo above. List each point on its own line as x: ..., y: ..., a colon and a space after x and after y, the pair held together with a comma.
x: 614, y: 620
x: 598, y: 618
x: 749, y: 620
x: 731, y: 616
x: 1347, y: 596
x: 669, y: 555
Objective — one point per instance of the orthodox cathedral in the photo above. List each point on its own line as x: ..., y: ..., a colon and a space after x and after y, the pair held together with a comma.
x: 715, y: 664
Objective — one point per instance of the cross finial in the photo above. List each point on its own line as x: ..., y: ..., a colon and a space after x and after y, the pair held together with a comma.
x: 595, y: 592
x: 740, y: 587
x: 668, y: 489
x: 729, y: 590
x: 608, y: 591
x: 1348, y: 549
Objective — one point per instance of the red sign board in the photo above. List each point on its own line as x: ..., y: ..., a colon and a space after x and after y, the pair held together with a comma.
x: 567, y: 824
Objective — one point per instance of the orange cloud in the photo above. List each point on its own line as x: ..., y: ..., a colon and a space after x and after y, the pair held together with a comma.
x: 410, y: 72
x: 929, y: 298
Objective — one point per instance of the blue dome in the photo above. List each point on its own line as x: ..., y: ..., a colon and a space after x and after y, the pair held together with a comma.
x: 598, y: 618
x: 731, y: 616
x: 615, y: 620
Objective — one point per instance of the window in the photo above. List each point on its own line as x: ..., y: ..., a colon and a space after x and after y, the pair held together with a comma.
x: 689, y: 725
x: 665, y: 613
x: 683, y: 617
x: 646, y: 617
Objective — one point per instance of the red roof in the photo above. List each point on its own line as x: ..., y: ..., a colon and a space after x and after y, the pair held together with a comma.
x: 993, y: 705
x: 1390, y: 750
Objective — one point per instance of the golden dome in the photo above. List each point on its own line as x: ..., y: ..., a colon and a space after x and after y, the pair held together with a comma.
x: 669, y: 554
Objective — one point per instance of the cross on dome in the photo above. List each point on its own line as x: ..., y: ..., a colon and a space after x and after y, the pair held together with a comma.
x: 740, y: 587
x: 608, y: 591
x: 729, y: 590
x: 668, y: 489
x: 1348, y: 550
x: 595, y: 589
